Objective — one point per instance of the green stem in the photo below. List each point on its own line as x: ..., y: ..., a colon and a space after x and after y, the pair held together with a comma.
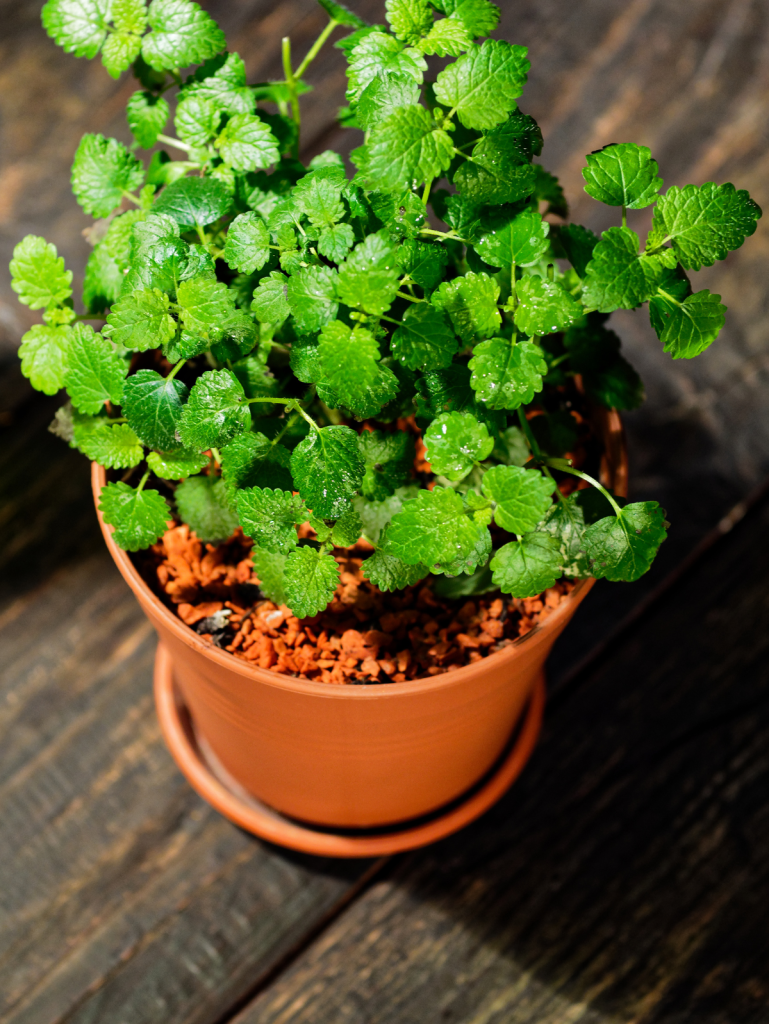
x: 142, y: 482
x: 559, y: 464
x: 315, y: 49
x: 201, y: 235
x: 403, y: 295
x: 215, y: 454
x: 390, y: 320
x: 176, y: 369
x: 624, y: 216
x: 444, y: 234
x: 176, y: 143
x: 291, y: 83
x: 132, y: 199
x: 293, y: 402
x: 426, y: 192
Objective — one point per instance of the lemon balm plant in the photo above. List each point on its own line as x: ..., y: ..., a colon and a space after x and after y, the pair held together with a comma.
x: 243, y: 315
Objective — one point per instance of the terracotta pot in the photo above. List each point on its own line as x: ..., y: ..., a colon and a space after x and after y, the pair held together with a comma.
x: 357, y: 756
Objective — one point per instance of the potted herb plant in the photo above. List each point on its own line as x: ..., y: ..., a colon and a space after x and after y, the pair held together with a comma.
x: 354, y: 424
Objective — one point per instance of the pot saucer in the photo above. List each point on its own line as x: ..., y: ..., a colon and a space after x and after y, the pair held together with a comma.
x: 212, y: 782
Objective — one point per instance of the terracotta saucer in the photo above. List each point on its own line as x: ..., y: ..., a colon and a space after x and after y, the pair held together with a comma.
x: 211, y: 780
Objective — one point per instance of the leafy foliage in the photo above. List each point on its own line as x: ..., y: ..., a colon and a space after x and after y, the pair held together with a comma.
x: 297, y: 346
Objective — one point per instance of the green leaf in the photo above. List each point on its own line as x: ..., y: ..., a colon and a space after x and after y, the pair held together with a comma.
x: 102, y: 172
x: 310, y: 580
x: 349, y: 360
x: 409, y: 19
x: 578, y: 244
x: 522, y: 496
x: 202, y: 504
x: 182, y: 34
x: 424, y: 262
x: 389, y: 458
x: 113, y: 446
x: 328, y: 469
x: 206, y: 305
x: 222, y: 81
x: 483, y: 85
x: 379, y: 53
x: 388, y: 573
x: 79, y: 26
x: 617, y: 277
x: 375, y: 515
x: 406, y: 149
x: 703, y: 223
x: 270, y: 570
x: 146, y: 232
x: 565, y: 523
x: 433, y: 529
x: 471, y: 303
x: 455, y: 442
x: 270, y: 305
x: 43, y: 354
x: 119, y: 52
x: 622, y: 174
x: 690, y: 326
x: 368, y: 279
x: 447, y: 38
x: 141, y: 321
x: 311, y: 298
x: 342, y: 14
x: 247, y: 144
x: 319, y: 196
x: 95, y: 372
x: 511, y: 447
x: 252, y: 459
x: 526, y: 567
x: 548, y: 189
x: 153, y: 407
x: 505, y: 376
x: 424, y: 341
x: 496, y: 171
x: 480, y: 17
x: 119, y: 237
x: 194, y: 202
x: 336, y: 241
x: 140, y: 517
x: 468, y: 559
x: 102, y: 281
x: 623, y: 547
x: 247, y: 248
x: 197, y: 120
x: 383, y: 95
x: 544, y: 307
x: 215, y: 411
x: 520, y: 239
x: 177, y: 464
x: 37, y: 274
x: 271, y: 517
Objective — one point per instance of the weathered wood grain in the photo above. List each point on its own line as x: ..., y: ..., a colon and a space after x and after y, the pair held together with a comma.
x: 623, y: 878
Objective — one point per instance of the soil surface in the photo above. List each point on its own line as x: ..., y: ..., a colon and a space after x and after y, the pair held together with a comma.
x: 364, y: 636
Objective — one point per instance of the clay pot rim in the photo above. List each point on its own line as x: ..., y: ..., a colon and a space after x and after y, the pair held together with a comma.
x: 371, y: 691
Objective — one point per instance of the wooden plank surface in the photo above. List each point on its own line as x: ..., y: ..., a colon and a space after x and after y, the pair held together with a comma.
x: 625, y: 877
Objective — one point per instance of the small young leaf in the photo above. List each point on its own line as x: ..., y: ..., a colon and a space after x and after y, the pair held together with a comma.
x: 368, y: 279
x: 112, y: 446
x: 270, y: 305
x: 704, y: 222
x: 480, y: 17
x: 147, y: 115
x: 252, y: 459
x: 617, y: 277
x: 197, y: 120
x: 622, y: 174
x: 380, y: 53
x: 222, y: 81
x: 522, y: 496
x: 139, y: 517
x: 177, y: 464
x: 375, y: 515
x: 271, y: 517
x: 79, y: 26
x: 153, y: 407
x: 102, y: 172
x: 424, y: 341
x: 182, y: 34
x: 328, y: 469
x: 310, y: 580
x: 311, y: 298
x: 505, y: 376
x: 247, y: 144
x: 194, y: 202
x: 215, y: 412
x: 690, y: 326
x: 202, y: 504
x: 424, y: 262
x: 388, y: 573
x: 455, y: 442
x: 270, y: 569
x: 526, y: 567
x: 432, y: 529
x: 520, y: 239
x: 343, y: 15
x: 409, y: 19
x: 544, y: 307
x: 384, y: 95
x: 405, y: 149
x: 37, y: 274
x: 336, y: 241
x: 388, y: 458
x: 95, y: 372
x: 121, y: 48
x: 43, y: 354
x: 483, y: 85
x: 447, y: 38
x: 141, y: 321
x: 471, y: 303
x: 248, y: 244
x: 349, y: 360
x: 206, y: 305
x: 623, y: 547
x: 102, y: 281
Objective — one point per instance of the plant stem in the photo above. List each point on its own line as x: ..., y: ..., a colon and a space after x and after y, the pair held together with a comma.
x: 403, y: 295
x: 558, y: 464
x: 201, y: 235
x: 293, y: 402
x: 426, y: 192
x: 142, y: 482
x: 316, y: 47
x: 443, y: 234
x: 132, y: 199
x: 176, y: 143
x: 624, y: 216
x: 176, y: 369
x: 291, y: 83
